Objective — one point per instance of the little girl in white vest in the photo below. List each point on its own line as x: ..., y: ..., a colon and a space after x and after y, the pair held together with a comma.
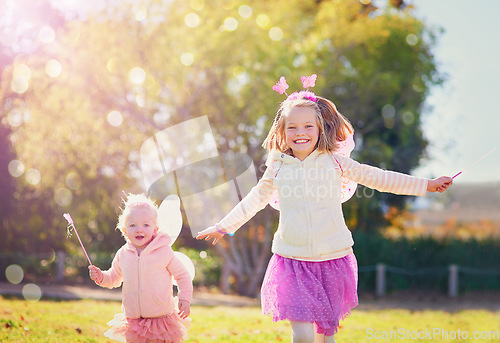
x: 311, y: 279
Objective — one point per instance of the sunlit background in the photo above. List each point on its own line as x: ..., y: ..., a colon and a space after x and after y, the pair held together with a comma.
x: 461, y: 118
x: 85, y: 84
x: 463, y: 115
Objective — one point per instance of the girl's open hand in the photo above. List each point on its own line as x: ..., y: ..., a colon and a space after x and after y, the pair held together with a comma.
x: 184, y: 309
x: 440, y: 184
x: 209, y: 233
x: 95, y: 274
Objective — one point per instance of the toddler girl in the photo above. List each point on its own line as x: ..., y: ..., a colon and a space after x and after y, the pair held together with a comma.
x: 311, y: 279
x: 145, y: 265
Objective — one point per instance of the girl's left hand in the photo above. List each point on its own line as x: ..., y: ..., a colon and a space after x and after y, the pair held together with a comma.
x: 210, y: 233
x: 184, y: 309
x: 440, y: 184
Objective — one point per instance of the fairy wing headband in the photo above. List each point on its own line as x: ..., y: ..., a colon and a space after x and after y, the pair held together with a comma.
x: 307, y: 81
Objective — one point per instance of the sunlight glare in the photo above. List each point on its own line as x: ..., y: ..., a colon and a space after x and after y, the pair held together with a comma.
x: 137, y: 75
x: 245, y: 11
x: 22, y: 70
x: 411, y: 39
x: 111, y: 65
x: 33, y: 176
x: 63, y: 196
x: 228, y: 4
x: 230, y: 24
x: 15, y: 118
x: 47, y: 34
x: 408, y: 118
x: 20, y: 80
x: 108, y: 171
x: 192, y: 20
x: 14, y: 274
x: 140, y: 100
x: 153, y: 87
x: 115, y: 118
x: 53, y: 68
x: 19, y: 85
x: 52, y: 257
x: 237, y: 70
x: 197, y: 5
x: 8, y: 36
x: 16, y: 168
x: 389, y: 113
x: 141, y: 13
x: 161, y: 117
x: 263, y: 20
x: 187, y: 59
x: 32, y: 292
x: 73, y: 180
x: 417, y: 88
x: 276, y: 34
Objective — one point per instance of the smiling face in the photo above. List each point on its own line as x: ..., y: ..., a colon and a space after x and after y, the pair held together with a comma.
x: 141, y: 227
x: 302, y: 131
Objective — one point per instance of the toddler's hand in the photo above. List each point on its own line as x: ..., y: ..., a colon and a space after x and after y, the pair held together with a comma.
x: 209, y: 233
x: 184, y: 309
x: 95, y: 274
x: 440, y: 184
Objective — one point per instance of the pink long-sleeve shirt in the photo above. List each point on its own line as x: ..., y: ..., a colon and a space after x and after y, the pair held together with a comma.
x: 147, y: 278
x: 311, y: 224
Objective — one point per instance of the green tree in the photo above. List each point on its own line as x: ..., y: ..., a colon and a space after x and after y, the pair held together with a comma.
x: 20, y: 24
x: 93, y: 99
x: 378, y: 68
x: 6, y: 182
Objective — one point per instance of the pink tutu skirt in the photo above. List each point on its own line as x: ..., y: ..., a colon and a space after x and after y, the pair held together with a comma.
x: 167, y: 329
x: 318, y: 292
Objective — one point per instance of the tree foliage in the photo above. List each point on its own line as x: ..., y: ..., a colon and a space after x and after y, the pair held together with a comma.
x: 110, y: 79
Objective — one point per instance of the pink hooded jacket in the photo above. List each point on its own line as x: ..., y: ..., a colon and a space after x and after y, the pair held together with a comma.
x: 147, y: 278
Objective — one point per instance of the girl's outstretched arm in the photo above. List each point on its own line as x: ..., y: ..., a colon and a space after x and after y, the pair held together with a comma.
x: 254, y: 201
x: 386, y: 180
x: 440, y: 184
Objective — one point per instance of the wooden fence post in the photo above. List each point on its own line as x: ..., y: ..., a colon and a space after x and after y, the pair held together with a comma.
x: 380, y: 280
x: 224, y: 279
x: 453, y: 280
x: 60, y: 257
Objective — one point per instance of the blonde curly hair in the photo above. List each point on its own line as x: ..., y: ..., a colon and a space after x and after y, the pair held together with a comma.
x: 130, y: 202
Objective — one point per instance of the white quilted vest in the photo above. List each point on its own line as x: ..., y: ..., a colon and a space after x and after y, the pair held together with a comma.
x: 311, y: 221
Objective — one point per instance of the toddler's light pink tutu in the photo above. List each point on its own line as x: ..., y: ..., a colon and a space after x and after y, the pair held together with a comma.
x: 167, y: 329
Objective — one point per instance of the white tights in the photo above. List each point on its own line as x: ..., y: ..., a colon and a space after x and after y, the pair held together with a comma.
x: 303, y: 332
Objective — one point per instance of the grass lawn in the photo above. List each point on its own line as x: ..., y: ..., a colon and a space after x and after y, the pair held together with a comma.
x: 85, y: 321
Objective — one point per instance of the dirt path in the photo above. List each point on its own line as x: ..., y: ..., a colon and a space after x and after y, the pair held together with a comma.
x: 410, y: 300
x: 95, y: 292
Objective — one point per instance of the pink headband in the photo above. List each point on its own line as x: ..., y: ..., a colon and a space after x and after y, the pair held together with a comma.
x: 307, y: 81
